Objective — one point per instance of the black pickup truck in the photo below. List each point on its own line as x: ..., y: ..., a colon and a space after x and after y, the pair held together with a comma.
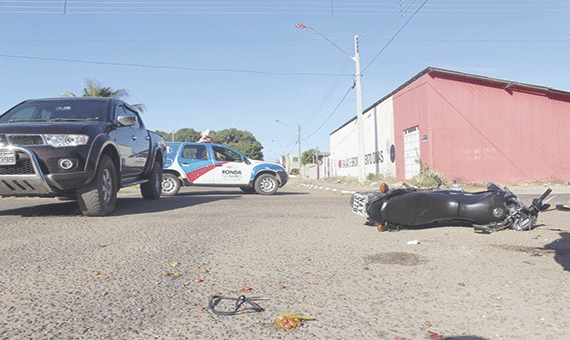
x: 78, y: 148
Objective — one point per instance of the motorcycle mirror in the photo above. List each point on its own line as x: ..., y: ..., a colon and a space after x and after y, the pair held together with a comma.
x: 384, y: 188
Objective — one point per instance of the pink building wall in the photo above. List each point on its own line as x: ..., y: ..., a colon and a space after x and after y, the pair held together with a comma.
x: 475, y: 130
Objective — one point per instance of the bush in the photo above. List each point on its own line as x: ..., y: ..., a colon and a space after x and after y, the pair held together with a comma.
x: 426, y: 179
x: 377, y: 177
x: 348, y: 180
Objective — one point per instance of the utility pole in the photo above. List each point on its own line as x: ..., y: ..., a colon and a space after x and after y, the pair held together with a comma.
x: 299, y: 141
x: 318, y: 163
x: 356, y: 58
x: 359, y: 118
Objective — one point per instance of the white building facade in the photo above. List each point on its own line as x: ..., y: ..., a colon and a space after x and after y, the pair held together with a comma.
x: 379, y: 156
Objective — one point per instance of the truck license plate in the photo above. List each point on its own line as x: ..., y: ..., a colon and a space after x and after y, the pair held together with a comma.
x: 359, y: 204
x: 7, y: 158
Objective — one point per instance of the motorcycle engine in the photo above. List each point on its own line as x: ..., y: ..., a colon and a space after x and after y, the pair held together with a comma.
x: 523, y: 222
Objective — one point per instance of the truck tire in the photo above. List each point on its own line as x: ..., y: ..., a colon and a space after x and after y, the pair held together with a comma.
x: 152, y: 189
x: 99, y: 198
x: 266, y: 184
x: 170, y: 185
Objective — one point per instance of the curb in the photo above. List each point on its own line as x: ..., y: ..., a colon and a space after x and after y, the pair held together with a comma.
x: 341, y: 191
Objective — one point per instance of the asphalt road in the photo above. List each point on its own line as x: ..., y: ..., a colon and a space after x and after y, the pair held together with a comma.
x: 67, y: 276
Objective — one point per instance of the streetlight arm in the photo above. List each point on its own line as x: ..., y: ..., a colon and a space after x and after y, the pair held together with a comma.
x: 290, y: 128
x: 301, y: 26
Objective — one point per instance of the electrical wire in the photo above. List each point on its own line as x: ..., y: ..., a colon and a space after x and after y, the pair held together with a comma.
x: 438, y: 8
x: 174, y: 67
x: 333, y: 111
x: 395, y: 35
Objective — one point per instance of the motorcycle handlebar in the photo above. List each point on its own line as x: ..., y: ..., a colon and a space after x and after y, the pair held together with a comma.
x: 546, y: 193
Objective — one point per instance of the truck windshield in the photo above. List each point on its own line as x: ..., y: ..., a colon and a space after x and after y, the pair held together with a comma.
x: 47, y: 110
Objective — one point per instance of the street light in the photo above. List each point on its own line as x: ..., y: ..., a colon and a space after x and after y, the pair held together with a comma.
x: 284, y: 148
x: 356, y: 59
x: 298, y: 140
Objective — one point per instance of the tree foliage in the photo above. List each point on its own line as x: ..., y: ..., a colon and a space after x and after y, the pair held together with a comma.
x: 239, y: 140
x: 94, y: 89
x: 308, y: 157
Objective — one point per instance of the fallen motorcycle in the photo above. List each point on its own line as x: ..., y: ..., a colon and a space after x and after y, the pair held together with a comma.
x: 490, y: 210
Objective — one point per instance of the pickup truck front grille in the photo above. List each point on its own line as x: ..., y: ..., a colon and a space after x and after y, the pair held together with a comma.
x: 23, y: 178
x: 25, y: 140
x: 22, y: 167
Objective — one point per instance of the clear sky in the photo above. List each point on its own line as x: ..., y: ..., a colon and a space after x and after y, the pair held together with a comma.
x: 243, y: 64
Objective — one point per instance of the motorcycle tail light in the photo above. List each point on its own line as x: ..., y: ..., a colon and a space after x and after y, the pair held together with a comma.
x: 384, y: 188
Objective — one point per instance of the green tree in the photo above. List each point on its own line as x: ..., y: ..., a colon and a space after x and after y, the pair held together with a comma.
x: 308, y: 157
x: 166, y: 135
x: 239, y: 140
x: 230, y: 136
x: 186, y: 135
x: 250, y: 150
x: 94, y: 89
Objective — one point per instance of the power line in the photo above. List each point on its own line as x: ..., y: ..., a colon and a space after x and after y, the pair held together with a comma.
x: 240, y: 40
x: 336, y: 108
x: 174, y: 67
x: 395, y: 35
x: 437, y: 8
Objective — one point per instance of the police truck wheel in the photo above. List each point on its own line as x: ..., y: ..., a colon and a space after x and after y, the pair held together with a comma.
x: 266, y: 184
x: 170, y: 184
x: 100, y: 197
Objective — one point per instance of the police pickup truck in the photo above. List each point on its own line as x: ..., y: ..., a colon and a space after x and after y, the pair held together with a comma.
x: 214, y: 165
x: 78, y: 148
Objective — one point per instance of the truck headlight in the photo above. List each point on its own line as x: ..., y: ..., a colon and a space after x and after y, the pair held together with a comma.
x: 59, y: 141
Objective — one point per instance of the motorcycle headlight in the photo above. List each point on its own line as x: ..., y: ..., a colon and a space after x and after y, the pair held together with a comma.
x: 59, y: 141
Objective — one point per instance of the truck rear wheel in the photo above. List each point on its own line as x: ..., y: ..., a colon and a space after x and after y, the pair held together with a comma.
x: 152, y: 189
x: 99, y: 198
x: 170, y: 185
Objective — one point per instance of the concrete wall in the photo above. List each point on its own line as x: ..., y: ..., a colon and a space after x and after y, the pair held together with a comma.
x: 378, y: 126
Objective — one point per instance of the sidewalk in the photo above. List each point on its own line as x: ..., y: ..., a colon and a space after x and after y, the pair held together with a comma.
x: 345, y: 189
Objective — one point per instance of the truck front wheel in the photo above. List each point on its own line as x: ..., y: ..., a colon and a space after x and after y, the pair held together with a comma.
x: 170, y: 184
x: 266, y: 184
x: 99, y: 198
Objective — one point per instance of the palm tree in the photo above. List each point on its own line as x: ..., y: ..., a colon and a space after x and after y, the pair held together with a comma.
x: 93, y: 89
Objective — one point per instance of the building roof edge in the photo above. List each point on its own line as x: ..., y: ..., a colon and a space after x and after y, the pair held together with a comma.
x: 505, y: 83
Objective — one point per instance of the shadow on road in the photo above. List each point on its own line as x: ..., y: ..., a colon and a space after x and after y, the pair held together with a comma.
x: 136, y: 205
x: 561, y: 249
x: 236, y: 193
x: 125, y: 206
x: 68, y: 208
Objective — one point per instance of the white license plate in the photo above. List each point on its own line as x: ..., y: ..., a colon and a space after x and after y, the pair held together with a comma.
x: 7, y: 158
x: 359, y: 204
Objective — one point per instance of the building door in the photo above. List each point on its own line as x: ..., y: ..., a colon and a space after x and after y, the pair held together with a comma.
x: 412, y: 151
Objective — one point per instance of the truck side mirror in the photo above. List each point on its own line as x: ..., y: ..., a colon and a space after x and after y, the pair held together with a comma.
x: 127, y: 120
